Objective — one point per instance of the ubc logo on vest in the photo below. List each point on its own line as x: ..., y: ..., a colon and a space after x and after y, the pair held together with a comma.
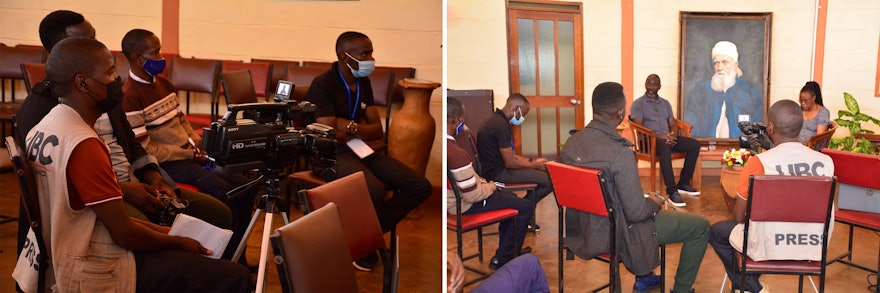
x: 39, y: 145
x: 803, y: 169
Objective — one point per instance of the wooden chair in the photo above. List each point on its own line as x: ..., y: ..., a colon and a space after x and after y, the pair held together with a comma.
x: 123, y: 68
x: 800, y: 199
x: 460, y: 224
x: 33, y: 73
x: 197, y: 75
x: 586, y: 190
x: 362, y: 229
x: 31, y: 207
x: 646, y: 147
x: 820, y: 141
x: 312, y: 255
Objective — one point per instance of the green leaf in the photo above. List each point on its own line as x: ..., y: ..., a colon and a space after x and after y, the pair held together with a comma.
x: 863, y: 117
x: 835, y: 143
x: 842, y: 113
x: 848, y: 143
x: 843, y: 123
x: 851, y: 103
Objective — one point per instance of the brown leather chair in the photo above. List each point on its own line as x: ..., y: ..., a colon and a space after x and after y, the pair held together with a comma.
x: 33, y: 73
x: 820, y: 141
x: 197, y: 75
x: 312, y: 255
x: 801, y: 199
x: 301, y: 77
x: 239, y: 87
x: 260, y: 76
x: 123, y: 68
x: 322, y: 64
x: 362, y: 229
x: 279, y: 71
x: 11, y: 59
x: 646, y: 147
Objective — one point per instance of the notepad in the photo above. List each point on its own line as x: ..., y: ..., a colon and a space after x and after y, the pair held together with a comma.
x: 359, y: 147
x: 210, y: 236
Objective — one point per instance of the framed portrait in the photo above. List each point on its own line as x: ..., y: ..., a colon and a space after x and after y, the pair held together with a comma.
x: 724, y: 72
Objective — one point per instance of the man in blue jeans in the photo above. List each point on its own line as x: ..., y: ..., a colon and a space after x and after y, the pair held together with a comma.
x: 642, y: 226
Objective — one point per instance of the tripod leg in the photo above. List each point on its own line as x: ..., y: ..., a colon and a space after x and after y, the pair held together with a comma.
x: 284, y: 218
x: 264, y: 252
x: 244, y: 238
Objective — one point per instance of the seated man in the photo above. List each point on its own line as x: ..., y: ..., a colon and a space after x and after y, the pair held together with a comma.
x: 523, y: 274
x: 479, y: 195
x: 128, y: 156
x: 83, y: 219
x: 783, y: 127
x: 599, y: 146
x: 655, y: 113
x: 344, y: 100
x: 152, y: 107
x: 498, y: 158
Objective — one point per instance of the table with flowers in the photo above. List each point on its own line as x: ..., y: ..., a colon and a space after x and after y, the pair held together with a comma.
x: 733, y: 160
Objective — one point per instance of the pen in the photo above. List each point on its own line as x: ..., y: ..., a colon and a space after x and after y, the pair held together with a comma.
x: 192, y: 143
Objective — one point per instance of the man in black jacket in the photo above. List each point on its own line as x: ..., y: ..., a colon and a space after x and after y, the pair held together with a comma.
x: 599, y: 146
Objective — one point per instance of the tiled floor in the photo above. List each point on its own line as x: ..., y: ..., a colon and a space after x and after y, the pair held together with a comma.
x: 582, y: 276
x: 420, y: 246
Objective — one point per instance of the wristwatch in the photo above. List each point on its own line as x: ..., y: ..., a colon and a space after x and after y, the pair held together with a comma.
x: 352, y: 127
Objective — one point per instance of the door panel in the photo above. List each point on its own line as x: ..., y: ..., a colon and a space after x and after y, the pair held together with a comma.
x: 546, y: 66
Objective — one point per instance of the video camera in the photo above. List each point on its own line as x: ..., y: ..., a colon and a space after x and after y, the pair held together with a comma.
x: 754, y: 137
x: 268, y: 142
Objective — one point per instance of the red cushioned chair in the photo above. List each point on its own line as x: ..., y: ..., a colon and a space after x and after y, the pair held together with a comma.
x: 11, y: 59
x: 260, y: 76
x: 301, y: 77
x: 460, y: 224
x: 801, y: 199
x: 33, y: 73
x: 279, y: 71
x: 850, y: 169
x: 586, y: 190
x: 362, y: 229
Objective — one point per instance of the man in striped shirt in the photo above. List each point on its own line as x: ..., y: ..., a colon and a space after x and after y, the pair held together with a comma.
x: 479, y: 195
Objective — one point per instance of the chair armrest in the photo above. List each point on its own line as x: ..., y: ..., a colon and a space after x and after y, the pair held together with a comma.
x: 684, y: 129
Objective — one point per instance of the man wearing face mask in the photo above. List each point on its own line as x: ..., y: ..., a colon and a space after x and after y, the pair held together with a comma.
x: 138, y: 173
x: 83, y: 218
x: 152, y: 107
x: 479, y: 195
x: 344, y: 100
x: 498, y: 158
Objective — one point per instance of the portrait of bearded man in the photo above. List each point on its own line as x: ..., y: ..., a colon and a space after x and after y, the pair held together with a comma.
x: 718, y: 104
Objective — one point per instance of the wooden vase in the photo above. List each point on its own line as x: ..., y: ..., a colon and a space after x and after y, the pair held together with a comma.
x: 412, y: 129
x: 729, y: 182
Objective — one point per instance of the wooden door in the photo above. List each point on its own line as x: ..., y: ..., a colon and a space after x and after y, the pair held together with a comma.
x: 545, y: 46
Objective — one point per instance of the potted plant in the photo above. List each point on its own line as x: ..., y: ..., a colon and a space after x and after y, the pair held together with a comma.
x: 858, y: 140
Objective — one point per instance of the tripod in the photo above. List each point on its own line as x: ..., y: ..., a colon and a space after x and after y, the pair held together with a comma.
x: 271, y: 203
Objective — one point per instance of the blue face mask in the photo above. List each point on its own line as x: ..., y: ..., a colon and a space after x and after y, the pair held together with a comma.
x: 153, y: 66
x: 460, y: 128
x: 517, y: 121
x: 365, y: 68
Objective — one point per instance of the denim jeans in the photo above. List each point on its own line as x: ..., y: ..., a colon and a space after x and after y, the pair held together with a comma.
x: 720, y: 241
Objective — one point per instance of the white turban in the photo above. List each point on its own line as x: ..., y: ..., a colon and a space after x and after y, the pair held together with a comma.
x: 725, y: 48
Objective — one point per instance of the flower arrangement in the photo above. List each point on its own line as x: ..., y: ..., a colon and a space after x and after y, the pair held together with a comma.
x: 736, y: 157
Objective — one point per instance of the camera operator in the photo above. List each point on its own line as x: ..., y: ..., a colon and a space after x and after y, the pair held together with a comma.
x: 788, y: 157
x: 151, y: 100
x: 344, y: 100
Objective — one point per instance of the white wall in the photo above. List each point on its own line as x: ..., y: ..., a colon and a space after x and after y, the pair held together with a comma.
x: 477, y: 52
x: 404, y: 33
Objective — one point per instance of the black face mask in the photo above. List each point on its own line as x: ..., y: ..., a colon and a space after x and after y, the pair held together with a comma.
x: 114, y: 96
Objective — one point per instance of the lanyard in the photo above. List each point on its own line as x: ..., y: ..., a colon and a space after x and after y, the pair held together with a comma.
x: 357, y: 100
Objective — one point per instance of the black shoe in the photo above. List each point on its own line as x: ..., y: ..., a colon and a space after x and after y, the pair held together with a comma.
x: 366, y: 263
x: 496, y: 263
x: 676, y: 200
x: 687, y: 190
x: 534, y: 228
x: 525, y: 250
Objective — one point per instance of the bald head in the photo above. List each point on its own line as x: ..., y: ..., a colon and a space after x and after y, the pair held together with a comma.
x: 73, y: 56
x: 787, y: 119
